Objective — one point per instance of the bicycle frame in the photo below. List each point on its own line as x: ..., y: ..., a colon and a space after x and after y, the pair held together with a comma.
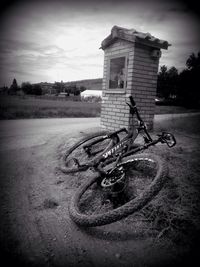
x: 125, y: 147
x: 120, y: 150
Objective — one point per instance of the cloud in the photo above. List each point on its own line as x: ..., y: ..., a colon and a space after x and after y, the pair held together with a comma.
x: 61, y: 39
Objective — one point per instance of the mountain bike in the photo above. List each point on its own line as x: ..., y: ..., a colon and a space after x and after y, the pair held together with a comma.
x: 124, y: 179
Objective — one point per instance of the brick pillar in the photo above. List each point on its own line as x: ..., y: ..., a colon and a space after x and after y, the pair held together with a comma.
x: 141, y: 53
x: 114, y: 111
x: 144, y: 82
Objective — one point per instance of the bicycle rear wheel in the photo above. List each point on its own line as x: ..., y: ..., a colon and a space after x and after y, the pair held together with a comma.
x: 146, y: 173
x: 76, y: 158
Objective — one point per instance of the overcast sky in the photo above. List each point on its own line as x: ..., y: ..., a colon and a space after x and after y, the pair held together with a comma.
x: 47, y: 41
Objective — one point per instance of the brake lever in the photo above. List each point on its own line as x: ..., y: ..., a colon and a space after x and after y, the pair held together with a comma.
x: 173, y: 141
x: 131, y: 108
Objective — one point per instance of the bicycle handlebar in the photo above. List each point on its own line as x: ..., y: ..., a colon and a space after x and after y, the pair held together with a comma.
x: 133, y: 109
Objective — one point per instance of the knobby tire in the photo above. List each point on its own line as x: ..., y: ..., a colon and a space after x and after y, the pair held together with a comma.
x: 123, y: 211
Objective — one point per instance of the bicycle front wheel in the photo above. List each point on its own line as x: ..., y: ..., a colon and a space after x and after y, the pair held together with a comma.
x: 77, y: 157
x: 146, y: 173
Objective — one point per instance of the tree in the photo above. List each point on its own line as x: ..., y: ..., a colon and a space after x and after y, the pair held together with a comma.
x: 82, y: 88
x: 183, y: 86
x: 14, y: 87
x: 4, y: 90
x: 36, y: 89
x: 163, y: 70
x: 59, y: 87
x: 172, y: 76
x: 167, y: 82
x: 27, y: 88
x: 189, y: 80
x: 31, y: 89
x: 193, y: 62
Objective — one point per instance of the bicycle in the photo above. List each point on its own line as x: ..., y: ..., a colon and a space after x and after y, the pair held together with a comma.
x: 116, y: 162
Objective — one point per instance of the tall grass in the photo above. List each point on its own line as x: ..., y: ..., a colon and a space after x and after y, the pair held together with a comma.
x: 175, y: 212
x: 14, y: 107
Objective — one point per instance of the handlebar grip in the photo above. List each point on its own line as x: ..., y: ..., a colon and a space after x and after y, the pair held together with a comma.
x: 132, y: 101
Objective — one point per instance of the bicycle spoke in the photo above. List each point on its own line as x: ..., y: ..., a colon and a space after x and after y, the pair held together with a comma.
x: 139, y: 175
x: 81, y: 154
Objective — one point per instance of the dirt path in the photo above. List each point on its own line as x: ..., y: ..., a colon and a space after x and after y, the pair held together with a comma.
x: 35, y: 226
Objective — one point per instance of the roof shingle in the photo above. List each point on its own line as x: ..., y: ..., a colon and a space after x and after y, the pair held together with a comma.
x: 132, y: 35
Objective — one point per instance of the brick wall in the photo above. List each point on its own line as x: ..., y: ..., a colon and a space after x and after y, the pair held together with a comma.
x: 141, y: 84
x: 144, y: 82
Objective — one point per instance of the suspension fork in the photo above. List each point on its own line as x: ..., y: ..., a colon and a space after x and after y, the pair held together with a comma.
x: 102, y: 172
x: 100, y: 169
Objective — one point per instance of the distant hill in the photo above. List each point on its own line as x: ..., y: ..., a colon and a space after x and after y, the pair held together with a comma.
x: 90, y: 84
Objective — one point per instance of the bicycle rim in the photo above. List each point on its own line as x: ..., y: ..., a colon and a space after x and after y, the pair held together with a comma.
x: 83, y: 213
x: 76, y: 152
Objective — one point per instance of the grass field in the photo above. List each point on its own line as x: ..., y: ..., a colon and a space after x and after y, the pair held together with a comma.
x: 18, y: 108
x: 12, y: 107
x: 180, y: 212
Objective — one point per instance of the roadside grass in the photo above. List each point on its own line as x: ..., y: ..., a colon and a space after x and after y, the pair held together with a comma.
x: 16, y: 107
x: 173, y: 109
x: 175, y: 212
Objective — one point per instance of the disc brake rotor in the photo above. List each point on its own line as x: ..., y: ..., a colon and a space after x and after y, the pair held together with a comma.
x: 113, y: 177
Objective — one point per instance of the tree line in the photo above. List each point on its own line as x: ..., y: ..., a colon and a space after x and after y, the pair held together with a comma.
x: 181, y: 88
x: 69, y: 89
x: 36, y: 89
x: 174, y: 87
